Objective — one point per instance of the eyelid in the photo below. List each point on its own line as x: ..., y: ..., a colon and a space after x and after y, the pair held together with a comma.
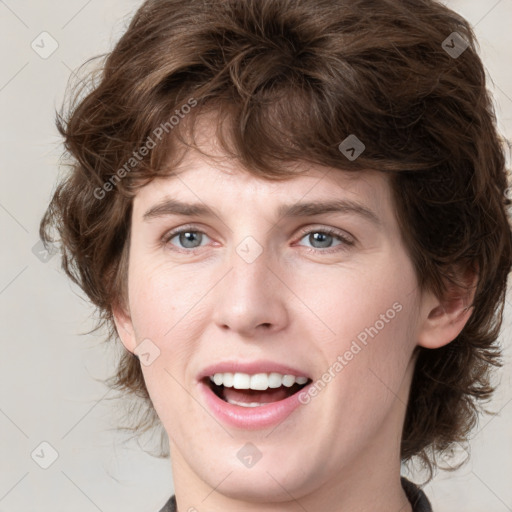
x: 342, y: 235
x: 345, y: 238
x: 168, y: 235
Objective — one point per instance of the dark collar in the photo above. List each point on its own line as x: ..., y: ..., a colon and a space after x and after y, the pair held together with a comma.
x: 415, y: 495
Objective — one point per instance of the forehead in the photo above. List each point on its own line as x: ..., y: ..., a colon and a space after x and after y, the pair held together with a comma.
x: 208, y: 175
x: 222, y: 185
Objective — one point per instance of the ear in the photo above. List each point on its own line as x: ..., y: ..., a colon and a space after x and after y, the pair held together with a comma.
x: 124, y: 327
x: 443, y: 319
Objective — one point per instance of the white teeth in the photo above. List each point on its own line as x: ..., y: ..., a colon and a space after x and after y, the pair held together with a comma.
x: 241, y: 381
x: 227, y: 379
x: 288, y: 381
x: 275, y: 380
x: 258, y: 381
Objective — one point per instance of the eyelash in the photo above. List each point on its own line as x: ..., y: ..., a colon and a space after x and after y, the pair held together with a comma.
x: 346, y: 242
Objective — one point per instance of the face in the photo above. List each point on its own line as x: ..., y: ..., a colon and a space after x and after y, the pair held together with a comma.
x: 255, y: 285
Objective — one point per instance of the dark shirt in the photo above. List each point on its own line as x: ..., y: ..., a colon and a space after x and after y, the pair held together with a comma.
x: 416, y: 496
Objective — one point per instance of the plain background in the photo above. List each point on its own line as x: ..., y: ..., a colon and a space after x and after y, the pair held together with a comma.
x: 49, y: 390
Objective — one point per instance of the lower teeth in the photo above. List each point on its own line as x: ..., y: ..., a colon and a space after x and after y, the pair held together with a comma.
x: 245, y: 404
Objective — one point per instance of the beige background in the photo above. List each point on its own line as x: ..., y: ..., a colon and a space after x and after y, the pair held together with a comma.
x: 48, y: 390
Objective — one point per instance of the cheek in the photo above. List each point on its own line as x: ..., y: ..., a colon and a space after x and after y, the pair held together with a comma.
x: 367, y: 366
x: 368, y: 301
x: 372, y: 318
x: 166, y: 309
x: 162, y: 298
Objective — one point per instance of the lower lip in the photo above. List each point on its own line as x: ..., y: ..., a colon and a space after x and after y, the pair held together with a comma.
x: 251, y: 418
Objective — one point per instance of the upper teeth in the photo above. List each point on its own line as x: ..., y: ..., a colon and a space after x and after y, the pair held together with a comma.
x: 258, y: 381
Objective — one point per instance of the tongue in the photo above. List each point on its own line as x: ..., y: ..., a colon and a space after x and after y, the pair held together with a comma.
x: 248, y: 396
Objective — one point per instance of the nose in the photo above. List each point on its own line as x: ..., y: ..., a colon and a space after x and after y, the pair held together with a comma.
x: 251, y: 298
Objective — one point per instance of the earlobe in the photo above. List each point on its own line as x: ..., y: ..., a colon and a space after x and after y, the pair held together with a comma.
x: 124, y: 327
x: 443, y: 320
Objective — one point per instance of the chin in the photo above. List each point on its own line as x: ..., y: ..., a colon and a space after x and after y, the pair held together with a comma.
x: 258, y: 486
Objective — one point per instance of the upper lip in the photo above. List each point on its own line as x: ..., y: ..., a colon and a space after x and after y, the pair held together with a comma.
x: 251, y: 368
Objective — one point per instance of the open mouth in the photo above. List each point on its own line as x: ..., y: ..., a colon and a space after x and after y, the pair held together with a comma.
x: 253, y: 397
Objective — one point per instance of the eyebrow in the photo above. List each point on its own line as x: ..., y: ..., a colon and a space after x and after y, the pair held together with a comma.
x: 307, y: 209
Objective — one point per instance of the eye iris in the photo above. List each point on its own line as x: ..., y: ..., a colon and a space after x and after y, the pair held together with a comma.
x: 320, y: 235
x: 189, y: 238
x: 184, y: 238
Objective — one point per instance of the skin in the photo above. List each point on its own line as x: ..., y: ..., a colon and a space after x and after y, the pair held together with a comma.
x: 301, y: 302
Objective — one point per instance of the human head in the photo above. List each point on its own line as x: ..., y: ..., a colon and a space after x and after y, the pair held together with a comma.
x: 292, y: 80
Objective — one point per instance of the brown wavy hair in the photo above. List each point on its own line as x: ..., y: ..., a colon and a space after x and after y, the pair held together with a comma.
x: 290, y: 80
